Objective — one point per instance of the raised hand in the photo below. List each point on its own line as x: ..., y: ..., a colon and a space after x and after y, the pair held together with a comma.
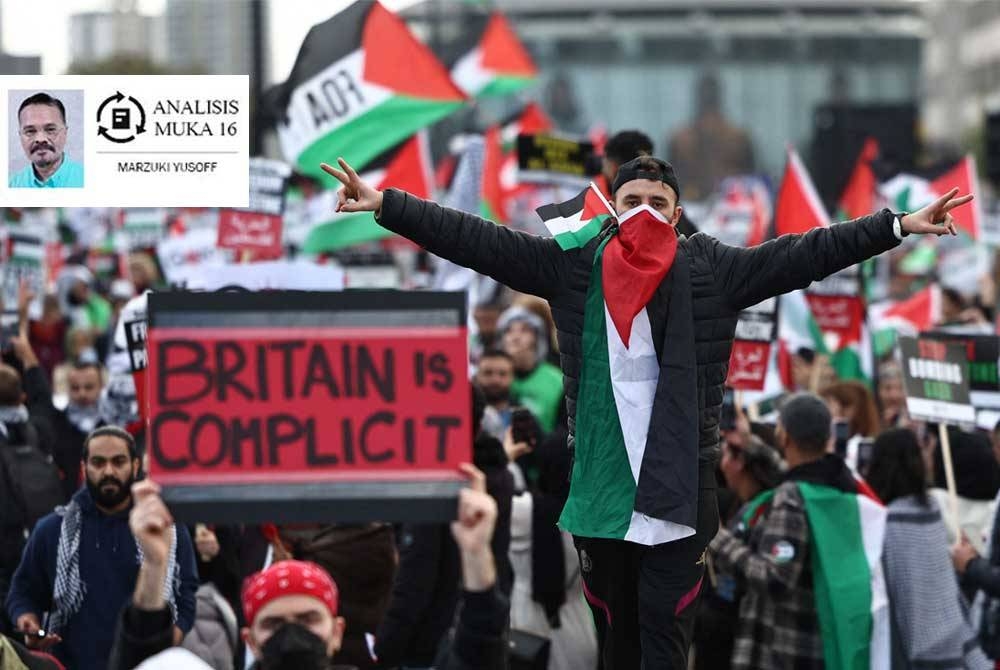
x: 356, y: 195
x: 935, y: 218
x: 150, y: 522
x: 477, y: 517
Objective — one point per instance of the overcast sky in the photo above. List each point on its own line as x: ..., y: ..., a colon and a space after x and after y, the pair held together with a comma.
x: 42, y: 28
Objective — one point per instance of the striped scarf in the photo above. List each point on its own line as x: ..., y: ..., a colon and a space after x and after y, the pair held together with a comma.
x: 70, y: 590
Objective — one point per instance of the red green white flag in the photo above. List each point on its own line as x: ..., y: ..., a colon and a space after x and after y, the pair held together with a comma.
x: 405, y: 167
x: 361, y: 84
x: 577, y: 221
x: 497, y: 65
x: 909, y: 191
x: 798, y: 208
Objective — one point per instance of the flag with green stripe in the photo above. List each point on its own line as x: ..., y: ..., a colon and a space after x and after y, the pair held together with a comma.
x: 361, y: 84
x: 849, y: 585
x: 617, y: 389
x: 405, y: 167
x: 497, y: 65
x: 577, y: 221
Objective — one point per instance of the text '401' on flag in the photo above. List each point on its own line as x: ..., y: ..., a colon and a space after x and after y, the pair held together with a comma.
x: 405, y: 167
x: 575, y: 222
x: 361, y: 84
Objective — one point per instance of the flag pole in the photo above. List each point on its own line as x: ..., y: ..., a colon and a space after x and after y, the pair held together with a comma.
x: 949, y: 474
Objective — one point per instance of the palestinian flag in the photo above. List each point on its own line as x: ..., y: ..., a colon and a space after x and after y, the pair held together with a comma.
x: 405, y: 167
x: 576, y: 222
x: 909, y: 191
x: 615, y: 475
x: 497, y: 65
x: 858, y: 198
x: 849, y: 585
x: 918, y: 313
x: 798, y: 208
x: 361, y: 84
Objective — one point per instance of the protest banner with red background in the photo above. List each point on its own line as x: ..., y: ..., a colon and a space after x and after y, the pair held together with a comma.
x: 255, y: 233
x: 308, y: 406
x: 755, y: 331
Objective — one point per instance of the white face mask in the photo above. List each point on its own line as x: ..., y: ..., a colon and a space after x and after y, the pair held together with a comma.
x: 635, y: 211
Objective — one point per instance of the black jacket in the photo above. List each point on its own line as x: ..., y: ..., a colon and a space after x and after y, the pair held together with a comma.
x: 724, y: 280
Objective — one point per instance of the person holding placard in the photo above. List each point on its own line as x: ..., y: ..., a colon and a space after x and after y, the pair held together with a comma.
x: 292, y: 607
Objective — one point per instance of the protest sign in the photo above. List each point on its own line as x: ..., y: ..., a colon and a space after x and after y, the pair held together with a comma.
x: 142, y: 226
x: 755, y: 330
x: 548, y: 159
x: 982, y: 353
x: 23, y: 262
x: 936, y: 380
x: 256, y: 230
x: 308, y: 406
x: 252, y: 233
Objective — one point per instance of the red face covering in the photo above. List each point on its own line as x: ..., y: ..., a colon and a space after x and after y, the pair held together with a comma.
x: 635, y: 262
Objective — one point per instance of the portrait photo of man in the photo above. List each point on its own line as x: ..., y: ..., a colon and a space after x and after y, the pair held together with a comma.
x: 46, y: 143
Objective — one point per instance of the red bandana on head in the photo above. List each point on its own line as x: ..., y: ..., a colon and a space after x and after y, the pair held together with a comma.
x: 635, y: 261
x: 287, y: 578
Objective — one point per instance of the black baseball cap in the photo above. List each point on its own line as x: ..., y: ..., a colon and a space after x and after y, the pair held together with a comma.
x: 635, y: 170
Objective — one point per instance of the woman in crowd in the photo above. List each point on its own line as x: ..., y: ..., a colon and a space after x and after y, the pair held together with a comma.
x: 930, y: 625
x: 851, y: 401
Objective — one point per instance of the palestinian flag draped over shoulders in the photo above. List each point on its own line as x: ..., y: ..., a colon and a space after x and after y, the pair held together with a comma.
x: 361, y: 84
x: 576, y: 222
x: 909, y: 191
x: 628, y: 480
x: 497, y: 65
x: 849, y: 586
x: 406, y: 167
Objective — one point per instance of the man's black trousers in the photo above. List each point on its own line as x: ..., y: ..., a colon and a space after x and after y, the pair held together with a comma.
x: 644, y: 599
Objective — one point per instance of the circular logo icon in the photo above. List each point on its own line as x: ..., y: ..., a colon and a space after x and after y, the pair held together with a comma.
x: 120, y: 118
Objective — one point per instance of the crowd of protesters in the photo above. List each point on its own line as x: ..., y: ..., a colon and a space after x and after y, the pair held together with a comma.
x: 94, y: 573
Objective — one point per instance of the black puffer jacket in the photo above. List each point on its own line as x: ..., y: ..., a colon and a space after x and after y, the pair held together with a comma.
x: 724, y: 280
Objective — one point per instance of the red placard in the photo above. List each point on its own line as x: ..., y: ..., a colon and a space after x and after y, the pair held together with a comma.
x: 307, y: 405
x: 253, y: 232
x: 748, y: 365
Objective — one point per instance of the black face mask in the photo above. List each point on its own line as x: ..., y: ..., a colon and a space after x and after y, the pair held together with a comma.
x: 294, y: 647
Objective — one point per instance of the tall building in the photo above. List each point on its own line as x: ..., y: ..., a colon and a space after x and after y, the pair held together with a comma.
x: 212, y: 37
x: 961, y: 68
x: 10, y: 64
x: 97, y: 36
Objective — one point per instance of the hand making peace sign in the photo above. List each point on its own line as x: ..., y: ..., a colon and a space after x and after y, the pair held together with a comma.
x: 356, y: 195
x: 929, y: 219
